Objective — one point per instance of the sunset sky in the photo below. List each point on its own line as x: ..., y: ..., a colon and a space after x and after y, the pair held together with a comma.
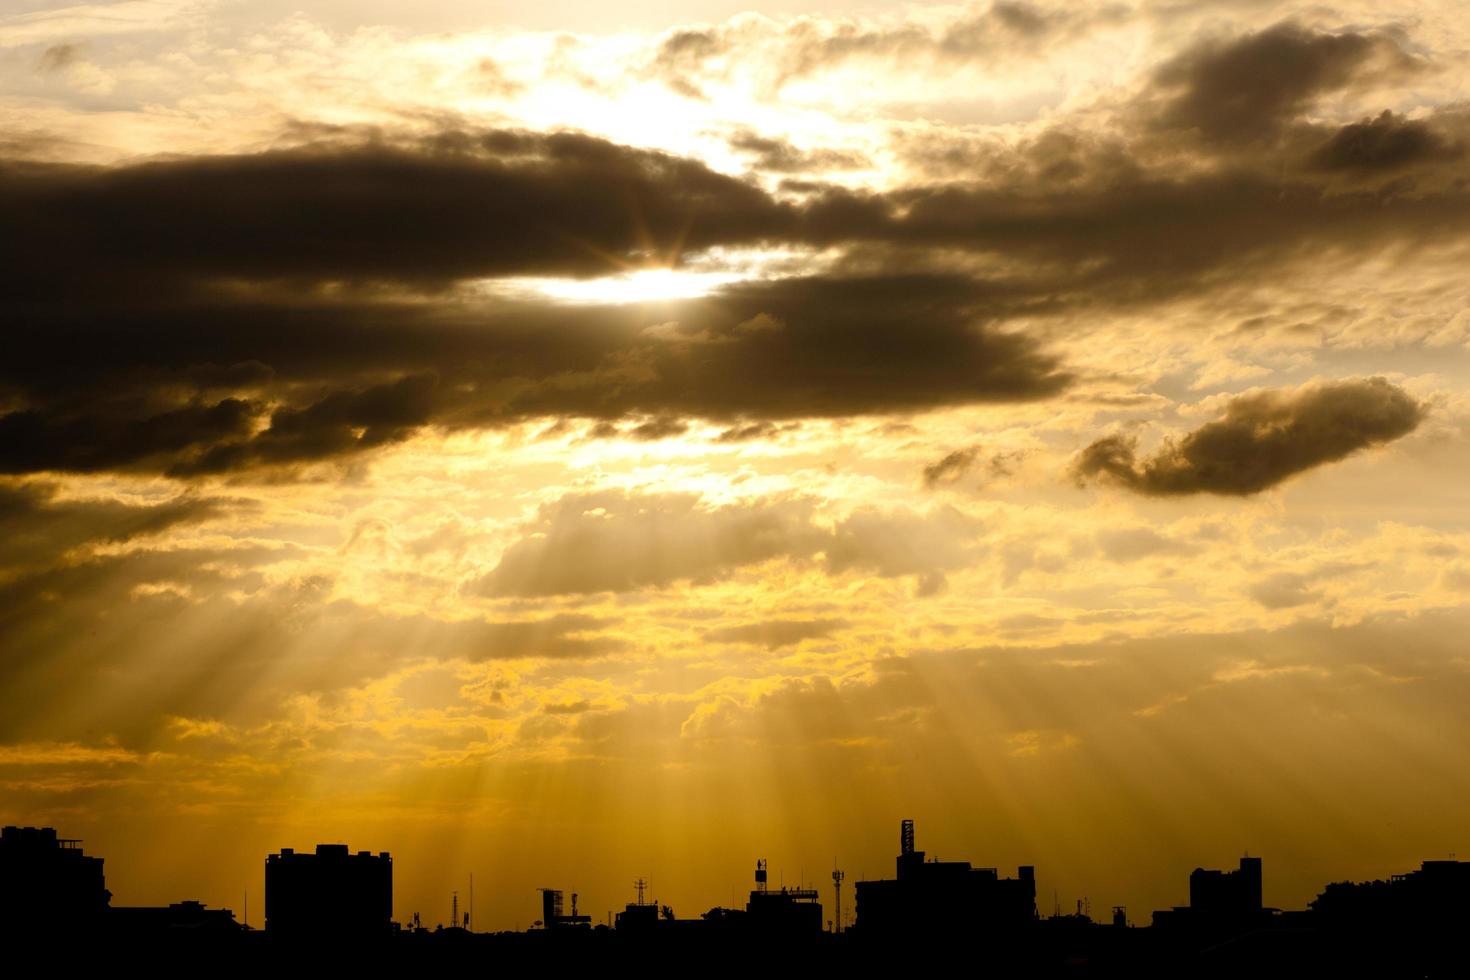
x: 569, y: 442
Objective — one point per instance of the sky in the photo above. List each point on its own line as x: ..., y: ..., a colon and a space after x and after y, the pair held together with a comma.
x: 567, y: 443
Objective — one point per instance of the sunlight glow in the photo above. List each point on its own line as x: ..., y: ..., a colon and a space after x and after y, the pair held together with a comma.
x: 637, y: 286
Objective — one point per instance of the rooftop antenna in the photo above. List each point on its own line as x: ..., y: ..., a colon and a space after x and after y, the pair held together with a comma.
x: 454, y: 910
x: 760, y: 874
x: 574, y: 905
x: 837, y: 877
x: 642, y: 885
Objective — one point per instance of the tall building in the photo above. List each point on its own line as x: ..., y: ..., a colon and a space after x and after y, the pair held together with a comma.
x: 331, y: 893
x: 47, y: 884
x: 929, y: 897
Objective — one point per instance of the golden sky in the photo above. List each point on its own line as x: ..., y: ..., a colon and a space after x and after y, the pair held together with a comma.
x: 572, y: 442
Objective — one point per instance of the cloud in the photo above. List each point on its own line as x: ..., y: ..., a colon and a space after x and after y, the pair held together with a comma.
x: 58, y: 57
x: 775, y: 633
x: 617, y: 542
x: 1246, y: 88
x: 428, y: 212
x: 567, y: 708
x: 658, y: 428
x: 1382, y: 144
x: 614, y: 541
x: 88, y: 438
x: 358, y: 300
x: 952, y: 468
x: 781, y: 156
x: 1284, y: 590
x: 689, y: 58
x: 87, y: 397
x: 39, y: 529
x: 895, y: 543
x: 1263, y: 438
x: 1132, y: 543
x: 747, y: 431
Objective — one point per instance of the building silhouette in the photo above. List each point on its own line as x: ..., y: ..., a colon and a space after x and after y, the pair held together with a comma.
x: 1220, y: 900
x: 331, y: 893
x: 936, y: 897
x: 335, y: 905
x: 1434, y: 897
x: 639, y: 916
x: 1227, y: 894
x: 786, y: 912
x: 48, y: 884
x: 179, y: 917
x: 553, y: 915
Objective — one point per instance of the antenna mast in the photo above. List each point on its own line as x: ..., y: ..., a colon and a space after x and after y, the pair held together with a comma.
x: 837, y: 877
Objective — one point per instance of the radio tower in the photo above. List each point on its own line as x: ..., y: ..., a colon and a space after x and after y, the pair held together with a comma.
x: 837, y: 877
x: 454, y: 910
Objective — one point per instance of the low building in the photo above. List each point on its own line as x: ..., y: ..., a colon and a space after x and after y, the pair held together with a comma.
x: 329, y: 893
x: 929, y: 897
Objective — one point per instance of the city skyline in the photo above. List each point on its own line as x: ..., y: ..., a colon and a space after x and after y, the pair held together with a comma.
x: 572, y: 442
x: 331, y: 890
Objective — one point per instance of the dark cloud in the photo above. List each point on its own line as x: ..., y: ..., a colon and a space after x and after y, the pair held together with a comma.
x: 98, y: 436
x: 203, y: 437
x: 747, y: 431
x: 775, y: 633
x: 455, y: 207
x: 1386, y: 143
x: 1246, y: 88
x: 312, y: 376
x: 212, y: 315
x: 160, y: 233
x: 39, y: 529
x: 339, y: 424
x: 1263, y: 439
x: 781, y: 156
x: 952, y: 468
x: 658, y: 428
